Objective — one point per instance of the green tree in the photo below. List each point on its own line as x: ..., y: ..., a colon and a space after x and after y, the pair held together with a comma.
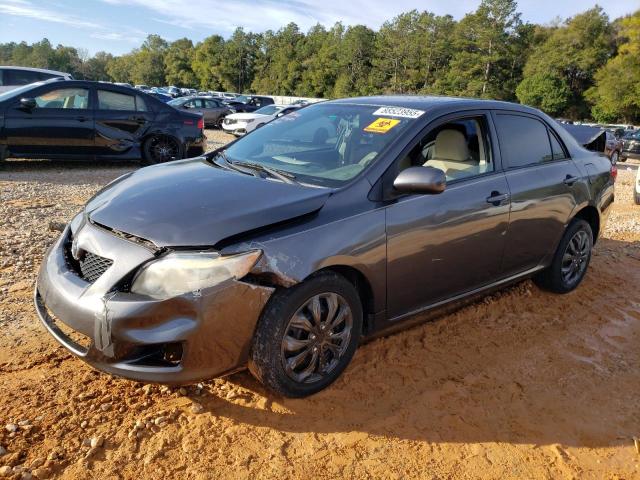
x: 546, y: 92
x: 354, y: 58
x: 206, y: 62
x: 616, y: 94
x: 572, y: 54
x: 178, y: 60
x: 484, y: 63
x: 278, y: 68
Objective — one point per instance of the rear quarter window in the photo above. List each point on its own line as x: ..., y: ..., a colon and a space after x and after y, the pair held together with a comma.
x: 108, y: 100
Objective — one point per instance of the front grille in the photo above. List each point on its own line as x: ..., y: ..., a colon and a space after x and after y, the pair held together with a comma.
x: 92, y: 266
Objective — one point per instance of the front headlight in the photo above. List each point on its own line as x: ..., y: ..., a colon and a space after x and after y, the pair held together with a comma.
x: 182, y: 272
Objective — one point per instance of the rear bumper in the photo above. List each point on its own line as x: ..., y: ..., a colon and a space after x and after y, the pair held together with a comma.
x: 179, y: 340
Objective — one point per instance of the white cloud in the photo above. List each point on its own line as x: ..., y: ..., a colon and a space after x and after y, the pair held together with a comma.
x: 23, y: 8
x: 260, y: 15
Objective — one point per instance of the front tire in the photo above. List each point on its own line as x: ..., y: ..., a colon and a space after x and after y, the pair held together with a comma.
x: 570, y: 261
x: 307, y: 335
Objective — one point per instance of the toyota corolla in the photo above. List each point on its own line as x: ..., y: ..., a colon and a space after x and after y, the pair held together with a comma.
x: 336, y: 223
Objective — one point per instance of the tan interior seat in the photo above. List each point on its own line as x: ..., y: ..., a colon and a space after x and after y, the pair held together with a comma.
x: 451, y: 154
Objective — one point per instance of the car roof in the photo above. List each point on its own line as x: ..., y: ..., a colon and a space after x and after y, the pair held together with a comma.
x: 31, y: 69
x: 422, y: 102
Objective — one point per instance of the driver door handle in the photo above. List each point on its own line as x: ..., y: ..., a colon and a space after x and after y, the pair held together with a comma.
x: 139, y: 120
x: 82, y: 118
x: 498, y: 198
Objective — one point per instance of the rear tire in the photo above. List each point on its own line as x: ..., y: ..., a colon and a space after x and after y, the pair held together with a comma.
x: 307, y: 335
x: 571, y: 260
x: 161, y: 149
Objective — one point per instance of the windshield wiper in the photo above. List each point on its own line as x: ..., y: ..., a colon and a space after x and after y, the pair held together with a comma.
x: 281, y: 175
x: 230, y: 165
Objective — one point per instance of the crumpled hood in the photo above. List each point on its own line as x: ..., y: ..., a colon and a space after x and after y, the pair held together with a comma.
x: 192, y: 203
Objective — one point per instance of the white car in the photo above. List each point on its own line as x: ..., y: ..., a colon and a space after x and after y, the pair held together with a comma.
x: 239, y: 124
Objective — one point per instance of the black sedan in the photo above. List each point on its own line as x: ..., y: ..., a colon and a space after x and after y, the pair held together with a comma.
x: 249, y: 103
x: 90, y: 120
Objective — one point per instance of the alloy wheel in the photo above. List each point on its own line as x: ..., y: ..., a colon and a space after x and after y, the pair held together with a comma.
x: 576, y: 257
x: 316, y: 337
x: 164, y: 149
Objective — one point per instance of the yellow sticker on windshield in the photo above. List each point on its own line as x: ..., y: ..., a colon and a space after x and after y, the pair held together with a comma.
x: 382, y: 125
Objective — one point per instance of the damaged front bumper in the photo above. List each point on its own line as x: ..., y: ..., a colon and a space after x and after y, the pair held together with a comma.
x: 194, y: 336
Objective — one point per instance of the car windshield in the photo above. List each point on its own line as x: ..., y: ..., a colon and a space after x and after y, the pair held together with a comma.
x: 18, y: 91
x: 268, y: 110
x: 241, y: 98
x: 632, y: 135
x: 327, y: 144
x: 176, y: 102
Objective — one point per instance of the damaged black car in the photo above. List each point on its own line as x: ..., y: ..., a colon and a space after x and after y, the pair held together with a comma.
x: 340, y: 222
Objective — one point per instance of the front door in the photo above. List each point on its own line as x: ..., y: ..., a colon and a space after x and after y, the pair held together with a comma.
x: 61, y: 124
x: 122, y: 119
x: 443, y: 245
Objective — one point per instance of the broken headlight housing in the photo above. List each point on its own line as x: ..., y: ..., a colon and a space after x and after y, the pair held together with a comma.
x: 181, y: 272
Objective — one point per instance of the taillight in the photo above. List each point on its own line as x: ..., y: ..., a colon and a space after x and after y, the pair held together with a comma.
x: 614, y: 172
x: 201, y: 123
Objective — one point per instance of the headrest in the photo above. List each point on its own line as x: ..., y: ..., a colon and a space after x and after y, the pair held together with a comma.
x: 451, y: 145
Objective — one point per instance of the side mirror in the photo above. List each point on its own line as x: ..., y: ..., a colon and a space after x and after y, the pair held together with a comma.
x: 420, y: 180
x: 28, y: 103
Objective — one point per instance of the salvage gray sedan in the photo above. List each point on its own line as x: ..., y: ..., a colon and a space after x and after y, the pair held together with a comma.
x: 339, y: 222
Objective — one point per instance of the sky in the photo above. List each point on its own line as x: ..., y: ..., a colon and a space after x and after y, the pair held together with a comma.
x: 117, y: 26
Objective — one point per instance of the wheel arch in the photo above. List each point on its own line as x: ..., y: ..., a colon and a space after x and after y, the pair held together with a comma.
x: 362, y: 285
x: 590, y: 214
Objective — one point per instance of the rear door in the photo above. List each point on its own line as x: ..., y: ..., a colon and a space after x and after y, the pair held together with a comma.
x: 61, y: 124
x: 122, y: 119
x: 213, y: 111
x: 542, y: 179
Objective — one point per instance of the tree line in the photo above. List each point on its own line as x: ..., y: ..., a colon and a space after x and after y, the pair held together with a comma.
x: 585, y: 67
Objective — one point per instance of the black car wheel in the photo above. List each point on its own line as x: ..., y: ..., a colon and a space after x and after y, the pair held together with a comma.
x: 219, y: 122
x: 307, y: 335
x: 161, y: 149
x: 571, y: 259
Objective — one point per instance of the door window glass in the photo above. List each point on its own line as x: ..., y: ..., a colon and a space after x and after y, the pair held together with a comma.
x: 67, y: 98
x: 459, y: 148
x: 211, y: 104
x: 523, y: 140
x: 108, y: 100
x: 141, y: 105
x: 558, y: 151
x: 20, y: 77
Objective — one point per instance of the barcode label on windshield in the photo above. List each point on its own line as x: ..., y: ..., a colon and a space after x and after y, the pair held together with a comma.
x: 398, y: 112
